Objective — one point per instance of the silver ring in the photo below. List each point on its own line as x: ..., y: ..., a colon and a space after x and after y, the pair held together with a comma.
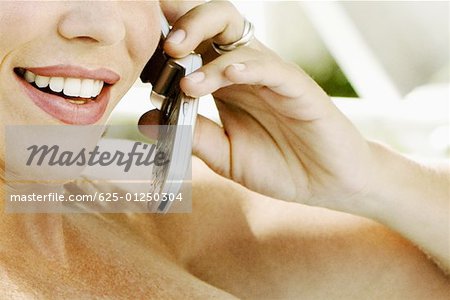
x: 246, y: 38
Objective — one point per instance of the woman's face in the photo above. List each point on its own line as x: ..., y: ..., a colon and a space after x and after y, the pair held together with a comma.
x: 70, y: 62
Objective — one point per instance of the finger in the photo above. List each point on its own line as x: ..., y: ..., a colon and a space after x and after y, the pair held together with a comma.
x: 251, y: 67
x: 210, y: 143
x: 285, y: 87
x: 215, y: 19
x: 211, y: 76
x: 150, y: 118
x: 274, y: 79
x: 284, y: 79
x: 174, y: 9
x: 148, y: 124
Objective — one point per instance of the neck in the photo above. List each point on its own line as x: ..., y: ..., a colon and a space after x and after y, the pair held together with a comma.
x: 40, y: 234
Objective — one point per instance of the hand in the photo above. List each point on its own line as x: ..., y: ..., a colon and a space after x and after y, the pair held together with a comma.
x: 283, y: 137
x: 281, y: 134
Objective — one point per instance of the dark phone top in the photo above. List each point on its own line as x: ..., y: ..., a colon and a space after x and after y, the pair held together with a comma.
x: 155, y: 65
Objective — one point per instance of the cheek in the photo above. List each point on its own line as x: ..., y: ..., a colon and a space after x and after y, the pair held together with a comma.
x: 143, y: 32
x: 19, y: 22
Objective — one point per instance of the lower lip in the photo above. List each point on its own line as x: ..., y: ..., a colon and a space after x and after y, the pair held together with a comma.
x: 63, y: 110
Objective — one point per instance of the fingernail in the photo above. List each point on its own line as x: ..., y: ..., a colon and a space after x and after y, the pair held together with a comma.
x: 239, y: 67
x: 196, y: 77
x: 176, y: 37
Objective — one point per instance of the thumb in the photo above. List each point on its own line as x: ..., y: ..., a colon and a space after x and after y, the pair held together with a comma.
x: 148, y: 124
x: 211, y: 144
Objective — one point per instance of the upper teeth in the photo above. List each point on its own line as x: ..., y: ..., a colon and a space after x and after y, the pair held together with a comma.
x: 73, y: 87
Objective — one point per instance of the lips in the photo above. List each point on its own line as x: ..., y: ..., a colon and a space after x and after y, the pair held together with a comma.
x: 70, y: 94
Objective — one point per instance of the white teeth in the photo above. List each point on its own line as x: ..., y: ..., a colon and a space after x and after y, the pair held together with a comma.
x: 98, y: 85
x: 86, y: 89
x: 29, y: 76
x: 57, y: 84
x: 72, y: 87
x: 94, y: 88
x: 41, y: 81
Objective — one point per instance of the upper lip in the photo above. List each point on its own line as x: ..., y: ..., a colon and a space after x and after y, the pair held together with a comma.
x: 106, y: 75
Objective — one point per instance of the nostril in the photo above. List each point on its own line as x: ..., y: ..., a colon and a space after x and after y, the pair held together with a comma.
x: 86, y: 39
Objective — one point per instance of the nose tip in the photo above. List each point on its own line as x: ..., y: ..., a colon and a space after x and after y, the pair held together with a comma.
x: 93, y: 23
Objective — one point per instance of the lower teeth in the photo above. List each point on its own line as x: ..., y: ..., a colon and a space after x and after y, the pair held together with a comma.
x: 77, y: 101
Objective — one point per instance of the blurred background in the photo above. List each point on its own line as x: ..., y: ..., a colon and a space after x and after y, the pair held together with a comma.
x: 385, y: 64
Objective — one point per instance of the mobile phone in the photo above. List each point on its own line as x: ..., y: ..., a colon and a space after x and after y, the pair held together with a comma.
x: 177, y: 112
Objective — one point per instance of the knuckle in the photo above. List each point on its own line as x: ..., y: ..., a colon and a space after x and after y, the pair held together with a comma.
x: 269, y: 63
x: 190, y: 22
x: 245, y: 53
x: 225, y: 6
x: 212, y: 68
x: 232, y: 20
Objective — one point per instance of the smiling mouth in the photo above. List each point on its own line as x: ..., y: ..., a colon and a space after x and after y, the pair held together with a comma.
x: 75, y: 90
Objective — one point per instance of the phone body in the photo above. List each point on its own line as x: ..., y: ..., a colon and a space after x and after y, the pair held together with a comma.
x: 177, y: 112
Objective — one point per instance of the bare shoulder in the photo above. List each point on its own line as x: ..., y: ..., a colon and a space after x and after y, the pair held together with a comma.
x: 257, y: 247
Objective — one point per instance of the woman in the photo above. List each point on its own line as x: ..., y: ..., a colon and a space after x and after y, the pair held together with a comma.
x: 236, y: 243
